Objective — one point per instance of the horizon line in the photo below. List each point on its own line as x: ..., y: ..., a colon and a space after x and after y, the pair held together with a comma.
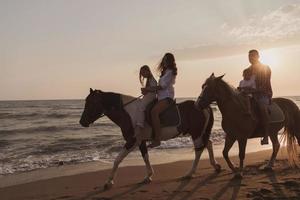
x: 77, y: 99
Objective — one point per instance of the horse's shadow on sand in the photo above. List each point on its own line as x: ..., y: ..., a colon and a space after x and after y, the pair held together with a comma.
x: 235, y: 184
x: 184, y: 183
x: 94, y: 195
x: 177, y: 192
x: 135, y: 187
x: 129, y: 191
x: 281, y: 189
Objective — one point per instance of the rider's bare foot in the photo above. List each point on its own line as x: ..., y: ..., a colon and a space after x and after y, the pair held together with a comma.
x: 264, y: 141
x: 155, y: 143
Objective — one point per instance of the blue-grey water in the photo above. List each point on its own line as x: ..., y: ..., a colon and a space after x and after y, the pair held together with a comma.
x: 41, y: 134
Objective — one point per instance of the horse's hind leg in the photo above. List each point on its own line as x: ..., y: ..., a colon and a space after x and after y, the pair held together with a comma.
x: 124, y: 152
x: 242, y: 151
x: 144, y: 152
x: 276, y: 146
x: 212, y: 159
x: 198, y: 142
x: 198, y: 152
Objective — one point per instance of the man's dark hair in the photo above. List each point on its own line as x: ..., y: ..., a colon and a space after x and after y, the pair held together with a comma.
x: 254, y: 51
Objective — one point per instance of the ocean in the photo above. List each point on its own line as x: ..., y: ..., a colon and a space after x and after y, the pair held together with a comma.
x: 41, y: 134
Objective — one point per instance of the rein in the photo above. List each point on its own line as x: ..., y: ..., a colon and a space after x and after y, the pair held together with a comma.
x: 133, y: 100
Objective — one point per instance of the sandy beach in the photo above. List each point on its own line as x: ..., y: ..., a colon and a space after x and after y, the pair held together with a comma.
x: 281, y: 183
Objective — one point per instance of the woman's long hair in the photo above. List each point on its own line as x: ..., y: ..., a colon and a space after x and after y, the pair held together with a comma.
x: 167, y: 62
x: 142, y: 78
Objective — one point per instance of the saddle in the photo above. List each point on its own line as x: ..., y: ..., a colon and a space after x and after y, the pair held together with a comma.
x: 276, y: 115
x: 169, y: 117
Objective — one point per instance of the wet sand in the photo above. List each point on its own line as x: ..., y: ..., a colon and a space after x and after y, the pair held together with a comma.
x: 281, y: 183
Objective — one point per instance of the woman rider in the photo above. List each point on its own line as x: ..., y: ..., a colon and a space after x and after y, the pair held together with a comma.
x: 165, y: 93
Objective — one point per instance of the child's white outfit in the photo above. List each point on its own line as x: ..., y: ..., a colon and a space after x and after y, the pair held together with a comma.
x: 244, y: 84
x: 144, y: 102
x: 248, y: 83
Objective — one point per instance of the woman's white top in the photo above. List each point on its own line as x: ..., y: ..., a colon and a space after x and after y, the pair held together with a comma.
x: 166, y: 82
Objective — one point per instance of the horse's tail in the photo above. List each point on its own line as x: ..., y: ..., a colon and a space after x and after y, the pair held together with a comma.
x: 291, y: 134
x: 298, y: 126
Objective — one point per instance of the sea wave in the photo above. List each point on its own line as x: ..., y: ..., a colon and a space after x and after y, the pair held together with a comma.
x: 55, y: 129
x: 40, y: 129
x: 29, y: 116
x: 78, y: 150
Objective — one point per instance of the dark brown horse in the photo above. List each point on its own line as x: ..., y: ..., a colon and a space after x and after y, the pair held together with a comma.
x: 120, y: 109
x: 240, y: 127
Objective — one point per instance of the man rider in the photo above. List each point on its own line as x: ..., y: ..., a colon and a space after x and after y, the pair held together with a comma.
x: 264, y: 91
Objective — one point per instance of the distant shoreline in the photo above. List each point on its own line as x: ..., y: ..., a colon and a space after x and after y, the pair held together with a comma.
x: 9, y: 100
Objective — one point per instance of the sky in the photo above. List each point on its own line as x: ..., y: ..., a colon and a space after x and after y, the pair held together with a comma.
x: 59, y: 49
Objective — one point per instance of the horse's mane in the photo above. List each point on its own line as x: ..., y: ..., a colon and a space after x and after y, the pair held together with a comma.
x: 126, y: 98
x: 230, y: 91
x: 113, y: 99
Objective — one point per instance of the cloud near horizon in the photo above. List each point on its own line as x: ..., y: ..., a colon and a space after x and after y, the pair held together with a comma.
x: 277, y: 28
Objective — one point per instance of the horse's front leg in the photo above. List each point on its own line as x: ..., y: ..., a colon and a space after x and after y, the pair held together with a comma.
x: 242, y: 151
x: 212, y: 159
x: 124, y: 152
x: 229, y: 141
x: 144, y: 152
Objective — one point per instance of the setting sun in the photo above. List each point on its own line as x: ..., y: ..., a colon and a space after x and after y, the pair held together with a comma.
x: 270, y: 57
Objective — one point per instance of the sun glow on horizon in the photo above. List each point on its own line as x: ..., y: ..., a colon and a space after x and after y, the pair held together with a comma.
x: 271, y: 57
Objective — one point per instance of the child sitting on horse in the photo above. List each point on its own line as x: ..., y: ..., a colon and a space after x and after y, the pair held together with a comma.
x: 247, y: 86
x: 150, y: 96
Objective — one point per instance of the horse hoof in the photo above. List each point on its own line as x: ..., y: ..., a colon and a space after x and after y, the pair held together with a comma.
x: 147, y: 180
x: 218, y: 168
x: 268, y: 169
x: 235, y: 170
x: 186, y: 177
x: 108, y: 185
x: 238, y: 176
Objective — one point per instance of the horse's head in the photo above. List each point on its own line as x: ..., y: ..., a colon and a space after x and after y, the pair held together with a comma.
x: 93, y: 108
x: 209, y: 92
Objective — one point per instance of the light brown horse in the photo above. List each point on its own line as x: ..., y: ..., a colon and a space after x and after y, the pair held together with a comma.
x: 240, y: 127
